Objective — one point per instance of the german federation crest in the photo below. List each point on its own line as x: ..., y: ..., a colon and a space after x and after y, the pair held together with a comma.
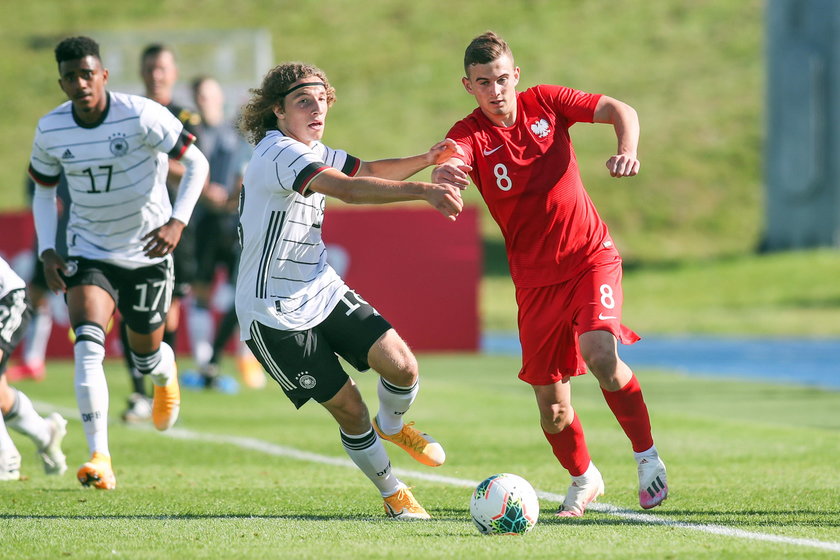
x: 119, y: 146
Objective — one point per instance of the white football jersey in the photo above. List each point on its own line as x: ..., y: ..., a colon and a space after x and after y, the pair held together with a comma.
x: 9, y: 279
x: 116, y: 174
x: 284, y: 280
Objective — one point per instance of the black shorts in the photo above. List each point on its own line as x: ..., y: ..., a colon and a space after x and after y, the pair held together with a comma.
x: 219, y: 246
x: 304, y: 363
x: 142, y: 295
x: 15, y: 314
x: 183, y: 258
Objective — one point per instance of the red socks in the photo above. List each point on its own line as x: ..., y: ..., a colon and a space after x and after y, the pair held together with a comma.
x: 630, y: 410
x: 569, y: 446
x: 628, y: 406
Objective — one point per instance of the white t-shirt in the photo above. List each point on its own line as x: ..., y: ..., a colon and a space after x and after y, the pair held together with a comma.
x: 116, y: 174
x: 284, y: 280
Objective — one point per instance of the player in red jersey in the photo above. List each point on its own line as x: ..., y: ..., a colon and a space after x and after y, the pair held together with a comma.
x: 516, y: 148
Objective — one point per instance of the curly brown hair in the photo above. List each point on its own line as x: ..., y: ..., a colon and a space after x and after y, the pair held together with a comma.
x: 258, y: 116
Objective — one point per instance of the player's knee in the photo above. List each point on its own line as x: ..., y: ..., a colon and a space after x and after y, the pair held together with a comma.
x: 8, y: 397
x: 409, y: 368
x: 393, y: 359
x: 405, y: 371
x: 556, y: 417
x: 601, y: 360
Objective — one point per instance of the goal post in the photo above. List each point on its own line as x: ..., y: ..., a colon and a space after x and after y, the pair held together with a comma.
x: 237, y: 58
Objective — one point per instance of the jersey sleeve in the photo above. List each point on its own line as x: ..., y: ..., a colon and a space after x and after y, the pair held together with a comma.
x: 574, y: 105
x: 341, y: 160
x: 462, y: 135
x: 43, y: 168
x: 163, y: 131
x: 292, y: 166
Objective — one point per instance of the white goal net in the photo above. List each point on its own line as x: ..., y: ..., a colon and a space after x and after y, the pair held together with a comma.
x: 237, y: 58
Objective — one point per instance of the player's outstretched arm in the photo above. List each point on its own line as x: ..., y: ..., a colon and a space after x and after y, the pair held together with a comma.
x: 373, y: 190
x: 625, y: 121
x: 398, y: 169
x: 452, y: 172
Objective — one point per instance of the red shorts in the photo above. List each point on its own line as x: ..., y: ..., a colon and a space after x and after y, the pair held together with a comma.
x: 551, y: 318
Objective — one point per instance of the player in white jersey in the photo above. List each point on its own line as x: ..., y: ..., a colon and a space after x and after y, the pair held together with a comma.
x: 113, y: 150
x: 295, y: 312
x: 16, y: 408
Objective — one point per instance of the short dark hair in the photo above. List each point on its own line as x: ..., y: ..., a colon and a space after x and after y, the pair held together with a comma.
x: 74, y: 48
x: 154, y: 50
x: 199, y: 80
x: 484, y: 49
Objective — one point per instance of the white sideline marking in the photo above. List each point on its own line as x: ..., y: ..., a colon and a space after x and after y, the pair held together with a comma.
x: 283, y: 451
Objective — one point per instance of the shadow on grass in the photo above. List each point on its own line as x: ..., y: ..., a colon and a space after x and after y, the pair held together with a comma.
x: 445, y: 516
x: 731, y: 519
x: 743, y: 520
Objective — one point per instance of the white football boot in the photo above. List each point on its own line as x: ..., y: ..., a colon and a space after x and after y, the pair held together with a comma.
x: 653, y: 484
x: 10, y: 465
x: 55, y: 463
x: 584, y: 490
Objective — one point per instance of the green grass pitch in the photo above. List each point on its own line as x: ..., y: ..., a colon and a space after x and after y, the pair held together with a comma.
x: 752, y: 469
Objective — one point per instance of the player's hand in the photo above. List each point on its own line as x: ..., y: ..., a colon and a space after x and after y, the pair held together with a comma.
x: 163, y: 240
x: 452, y: 174
x: 442, y: 151
x: 52, y: 263
x: 623, y: 165
x: 446, y: 199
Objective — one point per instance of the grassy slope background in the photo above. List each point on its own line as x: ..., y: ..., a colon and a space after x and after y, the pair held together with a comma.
x: 687, y: 225
x: 693, y: 71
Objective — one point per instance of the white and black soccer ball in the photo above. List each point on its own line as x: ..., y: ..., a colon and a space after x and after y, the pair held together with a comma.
x: 504, y: 504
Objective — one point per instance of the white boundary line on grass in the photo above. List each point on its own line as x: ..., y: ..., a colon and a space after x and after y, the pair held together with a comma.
x: 283, y: 451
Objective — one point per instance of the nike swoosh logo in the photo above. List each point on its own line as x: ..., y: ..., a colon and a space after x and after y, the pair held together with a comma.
x: 603, y: 317
x: 488, y: 152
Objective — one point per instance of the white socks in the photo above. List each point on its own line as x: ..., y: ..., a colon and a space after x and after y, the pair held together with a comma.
x: 24, y: 419
x: 92, y: 388
x: 586, y: 477
x: 201, y: 334
x: 7, y: 446
x: 394, y: 402
x: 649, y: 453
x: 37, y: 336
x: 160, y: 365
x: 367, y: 451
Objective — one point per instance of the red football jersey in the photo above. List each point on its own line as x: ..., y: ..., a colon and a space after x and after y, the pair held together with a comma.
x: 529, y: 178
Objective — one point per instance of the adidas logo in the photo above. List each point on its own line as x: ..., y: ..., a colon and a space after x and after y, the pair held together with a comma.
x: 655, y: 487
x: 156, y: 319
x: 67, y: 154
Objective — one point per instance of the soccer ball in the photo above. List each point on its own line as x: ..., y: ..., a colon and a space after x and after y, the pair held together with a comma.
x: 504, y: 504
